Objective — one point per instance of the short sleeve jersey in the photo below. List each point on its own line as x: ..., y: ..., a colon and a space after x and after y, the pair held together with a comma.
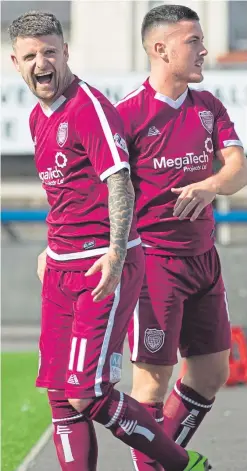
x: 173, y: 144
x: 79, y: 142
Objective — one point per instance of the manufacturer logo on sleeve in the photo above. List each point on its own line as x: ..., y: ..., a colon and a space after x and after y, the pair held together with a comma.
x: 120, y: 142
x: 207, y: 120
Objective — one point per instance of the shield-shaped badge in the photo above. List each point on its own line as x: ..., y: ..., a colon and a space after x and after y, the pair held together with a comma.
x: 62, y: 134
x: 154, y: 339
x: 120, y: 142
x: 207, y: 120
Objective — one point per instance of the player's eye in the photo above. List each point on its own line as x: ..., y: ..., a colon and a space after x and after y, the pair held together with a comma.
x: 29, y: 57
x: 50, y: 52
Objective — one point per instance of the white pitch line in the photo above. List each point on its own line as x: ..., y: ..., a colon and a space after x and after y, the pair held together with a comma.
x: 24, y: 466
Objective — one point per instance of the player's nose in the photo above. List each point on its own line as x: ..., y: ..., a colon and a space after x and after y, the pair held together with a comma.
x: 204, y: 51
x: 40, y: 61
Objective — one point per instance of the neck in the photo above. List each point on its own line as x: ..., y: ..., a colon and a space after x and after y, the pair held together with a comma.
x: 166, y: 84
x: 68, y: 79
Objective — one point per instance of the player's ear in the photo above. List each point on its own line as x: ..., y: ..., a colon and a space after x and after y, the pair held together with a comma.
x: 161, y: 50
x: 15, y: 62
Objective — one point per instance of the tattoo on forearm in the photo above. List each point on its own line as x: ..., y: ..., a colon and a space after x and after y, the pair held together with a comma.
x: 121, y: 204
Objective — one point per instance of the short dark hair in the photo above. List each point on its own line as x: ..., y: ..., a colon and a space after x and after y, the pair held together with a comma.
x: 166, y: 14
x: 33, y: 24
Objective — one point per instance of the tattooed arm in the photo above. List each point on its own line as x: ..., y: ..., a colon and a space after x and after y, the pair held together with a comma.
x: 121, y: 204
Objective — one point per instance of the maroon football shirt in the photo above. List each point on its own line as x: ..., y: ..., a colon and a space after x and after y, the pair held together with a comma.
x: 79, y: 142
x: 173, y: 144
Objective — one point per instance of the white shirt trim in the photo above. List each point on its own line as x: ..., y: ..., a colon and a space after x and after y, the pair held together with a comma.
x: 173, y: 103
x: 131, y: 95
x: 114, y: 169
x: 54, y: 106
x: 233, y: 142
x: 104, y: 123
x: 86, y: 253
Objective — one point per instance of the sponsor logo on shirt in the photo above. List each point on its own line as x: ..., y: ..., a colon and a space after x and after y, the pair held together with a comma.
x: 54, y: 175
x: 190, y: 162
x: 207, y: 120
x: 154, y: 339
x: 115, y: 367
x: 62, y: 134
x: 120, y: 142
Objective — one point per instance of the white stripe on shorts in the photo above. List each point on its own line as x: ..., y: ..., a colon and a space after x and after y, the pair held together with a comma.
x: 136, y: 332
x: 227, y: 306
x: 72, y: 353
x: 81, y: 357
x: 105, y: 345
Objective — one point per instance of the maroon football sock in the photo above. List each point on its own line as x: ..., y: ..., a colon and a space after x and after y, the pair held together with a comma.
x: 143, y: 462
x: 184, y: 411
x: 74, y: 435
x: 129, y: 421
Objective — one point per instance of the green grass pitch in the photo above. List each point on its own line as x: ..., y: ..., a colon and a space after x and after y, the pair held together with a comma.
x: 25, y: 411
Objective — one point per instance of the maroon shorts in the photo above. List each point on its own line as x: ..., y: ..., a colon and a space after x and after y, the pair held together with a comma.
x: 81, y: 342
x: 182, y: 305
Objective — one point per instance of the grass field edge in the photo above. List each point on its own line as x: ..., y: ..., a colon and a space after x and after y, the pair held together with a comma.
x: 36, y: 449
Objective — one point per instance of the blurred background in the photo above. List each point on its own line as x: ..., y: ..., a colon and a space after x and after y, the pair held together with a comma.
x: 105, y: 50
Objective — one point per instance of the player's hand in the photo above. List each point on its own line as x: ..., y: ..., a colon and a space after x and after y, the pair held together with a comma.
x: 193, y: 199
x: 41, y: 265
x: 111, y: 267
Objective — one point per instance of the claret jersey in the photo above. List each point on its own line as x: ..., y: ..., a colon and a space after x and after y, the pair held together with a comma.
x: 173, y: 144
x: 79, y: 142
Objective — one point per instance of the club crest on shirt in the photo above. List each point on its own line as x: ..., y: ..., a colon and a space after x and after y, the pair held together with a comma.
x: 62, y: 134
x: 120, y: 142
x: 154, y: 339
x: 207, y: 120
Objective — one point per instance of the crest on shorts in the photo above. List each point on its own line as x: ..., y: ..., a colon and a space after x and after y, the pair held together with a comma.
x: 154, y: 339
x: 62, y: 134
x: 207, y: 120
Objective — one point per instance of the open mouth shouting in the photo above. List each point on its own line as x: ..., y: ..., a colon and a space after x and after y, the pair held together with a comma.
x: 44, y: 78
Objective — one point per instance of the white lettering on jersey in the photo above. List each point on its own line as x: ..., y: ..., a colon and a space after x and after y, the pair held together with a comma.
x: 53, y: 175
x: 189, y: 163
